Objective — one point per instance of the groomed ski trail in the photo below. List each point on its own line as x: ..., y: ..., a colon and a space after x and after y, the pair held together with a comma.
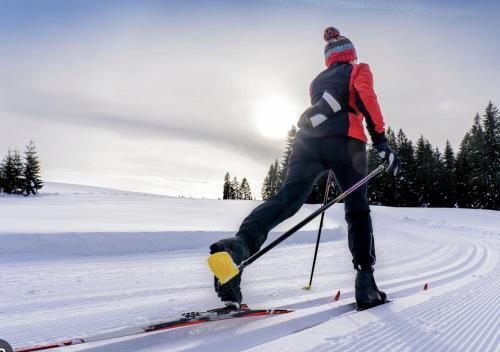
x: 82, y: 281
x: 462, y: 315
x: 271, y: 334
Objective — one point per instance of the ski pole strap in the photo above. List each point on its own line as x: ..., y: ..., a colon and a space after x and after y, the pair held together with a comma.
x: 310, y: 217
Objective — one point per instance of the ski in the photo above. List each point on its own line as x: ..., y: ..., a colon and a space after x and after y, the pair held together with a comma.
x: 193, y: 318
x: 187, y: 319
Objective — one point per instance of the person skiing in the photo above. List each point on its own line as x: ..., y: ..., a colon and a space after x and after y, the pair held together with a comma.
x: 330, y: 137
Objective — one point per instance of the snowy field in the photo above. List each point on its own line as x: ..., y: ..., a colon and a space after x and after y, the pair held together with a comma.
x: 77, y: 261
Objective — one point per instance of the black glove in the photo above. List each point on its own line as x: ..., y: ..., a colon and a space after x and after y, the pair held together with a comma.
x: 324, y: 108
x: 389, y: 157
x: 237, y: 248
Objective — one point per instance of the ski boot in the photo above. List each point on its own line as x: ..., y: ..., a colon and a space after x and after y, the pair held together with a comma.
x: 238, y: 249
x: 367, y: 293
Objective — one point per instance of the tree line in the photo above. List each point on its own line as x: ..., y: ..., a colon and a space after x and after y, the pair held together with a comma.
x: 232, y: 189
x: 428, y: 177
x: 20, y: 174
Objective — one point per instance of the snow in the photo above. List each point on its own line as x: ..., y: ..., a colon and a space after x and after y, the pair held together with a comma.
x: 80, y: 261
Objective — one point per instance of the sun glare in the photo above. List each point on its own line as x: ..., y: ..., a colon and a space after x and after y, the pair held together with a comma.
x: 274, y: 116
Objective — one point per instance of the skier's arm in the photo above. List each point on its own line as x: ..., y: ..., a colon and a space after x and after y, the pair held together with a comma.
x: 366, y: 102
x: 324, y: 108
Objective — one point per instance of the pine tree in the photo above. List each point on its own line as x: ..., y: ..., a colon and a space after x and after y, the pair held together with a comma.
x: 423, y: 172
x: 375, y: 186
x: 405, y: 182
x: 226, y: 189
x: 490, y: 155
x: 8, y: 173
x: 246, y: 193
x: 463, y: 171
x: 437, y: 196
x: 477, y: 184
x: 448, y: 184
x: 16, y: 173
x: 235, y: 189
x: 2, y: 177
x: 382, y: 190
x: 32, y: 180
x: 286, y: 155
x: 272, y: 181
x: 12, y: 173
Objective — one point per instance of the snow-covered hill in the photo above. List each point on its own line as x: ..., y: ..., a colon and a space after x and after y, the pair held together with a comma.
x: 76, y: 261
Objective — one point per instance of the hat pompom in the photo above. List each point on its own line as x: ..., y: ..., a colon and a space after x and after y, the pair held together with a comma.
x: 331, y: 33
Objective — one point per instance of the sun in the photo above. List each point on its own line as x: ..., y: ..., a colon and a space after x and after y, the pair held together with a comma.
x: 274, y: 116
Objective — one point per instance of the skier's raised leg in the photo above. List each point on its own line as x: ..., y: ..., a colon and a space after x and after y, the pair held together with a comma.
x: 304, y: 168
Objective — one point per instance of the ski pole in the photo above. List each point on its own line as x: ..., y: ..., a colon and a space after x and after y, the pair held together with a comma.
x: 311, y: 216
x: 325, y: 201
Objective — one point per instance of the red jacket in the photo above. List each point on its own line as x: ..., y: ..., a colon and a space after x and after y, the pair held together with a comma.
x: 352, y: 86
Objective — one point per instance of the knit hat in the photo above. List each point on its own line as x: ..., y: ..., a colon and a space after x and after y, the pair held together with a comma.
x: 338, y: 48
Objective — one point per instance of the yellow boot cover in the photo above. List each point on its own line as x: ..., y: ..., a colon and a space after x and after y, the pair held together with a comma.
x: 223, y: 266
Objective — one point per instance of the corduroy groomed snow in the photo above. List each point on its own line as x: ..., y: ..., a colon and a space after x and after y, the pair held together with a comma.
x: 338, y: 48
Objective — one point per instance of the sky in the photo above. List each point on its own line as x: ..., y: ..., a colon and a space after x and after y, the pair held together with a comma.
x: 167, y: 96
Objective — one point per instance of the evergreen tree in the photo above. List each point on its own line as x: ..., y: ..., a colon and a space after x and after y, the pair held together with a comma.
x: 375, y: 186
x: 463, y: 170
x: 382, y: 189
x: 7, y: 173
x: 476, y: 184
x: 272, y: 181
x: 405, y: 182
x: 448, y: 184
x: 246, y: 193
x: 32, y: 180
x: 235, y: 189
x: 2, y: 177
x: 18, y: 172
x: 437, y: 196
x: 490, y: 155
x: 286, y: 155
x: 226, y: 189
x: 12, y: 167
x: 424, y: 158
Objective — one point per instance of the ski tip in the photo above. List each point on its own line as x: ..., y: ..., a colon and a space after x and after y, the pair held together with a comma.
x: 222, y: 266
x: 307, y: 288
x: 337, y: 296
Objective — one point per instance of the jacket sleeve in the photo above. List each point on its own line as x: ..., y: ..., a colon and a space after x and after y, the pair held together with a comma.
x: 366, y: 102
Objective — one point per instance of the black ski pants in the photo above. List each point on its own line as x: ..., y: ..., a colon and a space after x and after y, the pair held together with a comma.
x: 310, y: 158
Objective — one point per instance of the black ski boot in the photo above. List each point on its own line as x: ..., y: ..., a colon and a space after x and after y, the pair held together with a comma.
x: 367, y: 293
x: 238, y: 249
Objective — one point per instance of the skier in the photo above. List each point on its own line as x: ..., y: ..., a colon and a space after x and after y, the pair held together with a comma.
x: 330, y: 137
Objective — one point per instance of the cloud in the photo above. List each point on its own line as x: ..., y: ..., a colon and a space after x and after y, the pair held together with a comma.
x: 149, y: 87
x: 222, y: 130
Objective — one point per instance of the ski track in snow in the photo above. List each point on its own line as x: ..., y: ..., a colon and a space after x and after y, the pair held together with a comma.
x: 462, y: 319
x: 48, y: 299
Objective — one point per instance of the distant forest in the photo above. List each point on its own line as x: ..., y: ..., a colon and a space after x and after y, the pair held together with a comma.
x: 469, y: 178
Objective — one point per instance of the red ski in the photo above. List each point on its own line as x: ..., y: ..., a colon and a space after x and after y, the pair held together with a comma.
x: 187, y: 319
